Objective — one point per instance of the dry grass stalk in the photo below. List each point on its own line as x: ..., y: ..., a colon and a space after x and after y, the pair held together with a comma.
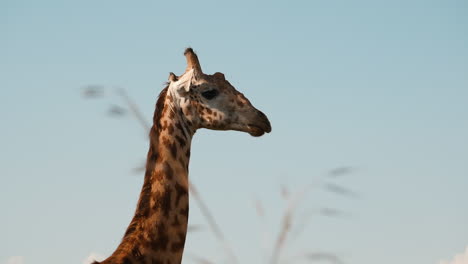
x: 332, y: 258
x: 198, y: 259
x: 194, y: 228
x: 134, y: 109
x: 259, y: 208
x: 317, y: 256
x: 331, y: 212
x: 338, y: 189
x: 340, y: 171
x: 300, y: 226
x: 116, y: 111
x: 286, y: 223
x: 212, y: 223
x: 285, y: 234
x: 93, y: 91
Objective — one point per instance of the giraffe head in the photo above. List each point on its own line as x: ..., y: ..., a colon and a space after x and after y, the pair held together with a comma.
x: 210, y: 101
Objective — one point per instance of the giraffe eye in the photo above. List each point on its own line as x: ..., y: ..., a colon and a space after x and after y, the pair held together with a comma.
x: 210, y: 94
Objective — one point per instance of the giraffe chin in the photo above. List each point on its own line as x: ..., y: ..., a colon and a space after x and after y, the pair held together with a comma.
x: 255, y: 131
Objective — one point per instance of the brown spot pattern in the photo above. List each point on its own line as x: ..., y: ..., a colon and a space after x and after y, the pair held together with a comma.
x: 156, y: 261
x: 171, y: 146
x: 176, y: 222
x: 180, y: 191
x: 162, y: 239
x: 179, y: 245
x: 131, y: 228
x: 136, y: 253
x: 179, y: 126
x: 163, y: 201
x: 158, y: 176
x: 143, y: 207
x: 184, y: 212
x: 182, y: 162
x: 181, y: 141
x: 171, y: 129
x: 173, y: 149
x: 168, y: 170
x: 166, y: 202
x: 126, y: 260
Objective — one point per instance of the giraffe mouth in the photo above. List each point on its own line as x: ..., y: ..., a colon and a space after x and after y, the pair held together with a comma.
x: 255, y: 131
x: 261, y: 126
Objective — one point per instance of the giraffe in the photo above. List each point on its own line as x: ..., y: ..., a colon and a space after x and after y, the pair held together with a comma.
x: 194, y: 100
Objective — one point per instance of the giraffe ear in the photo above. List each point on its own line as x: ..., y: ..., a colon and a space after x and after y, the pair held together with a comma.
x: 183, y: 84
x: 219, y: 75
x: 173, y: 77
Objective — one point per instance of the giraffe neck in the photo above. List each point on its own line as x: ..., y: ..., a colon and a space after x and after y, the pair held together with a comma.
x: 158, y: 229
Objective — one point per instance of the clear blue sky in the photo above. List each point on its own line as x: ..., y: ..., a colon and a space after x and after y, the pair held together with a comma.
x: 381, y: 86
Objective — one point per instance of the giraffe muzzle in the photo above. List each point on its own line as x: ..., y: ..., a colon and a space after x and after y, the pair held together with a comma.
x: 260, y: 126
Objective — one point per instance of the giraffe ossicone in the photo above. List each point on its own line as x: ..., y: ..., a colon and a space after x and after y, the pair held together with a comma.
x: 194, y: 100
